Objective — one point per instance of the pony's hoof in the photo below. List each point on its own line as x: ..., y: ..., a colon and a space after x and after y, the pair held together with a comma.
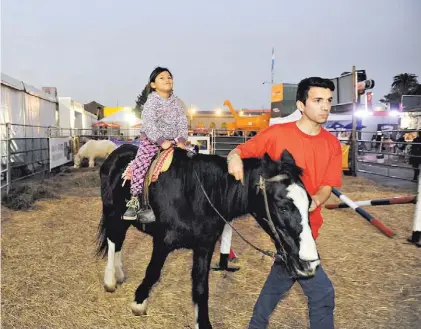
x: 121, y: 280
x: 139, y: 309
x: 110, y: 287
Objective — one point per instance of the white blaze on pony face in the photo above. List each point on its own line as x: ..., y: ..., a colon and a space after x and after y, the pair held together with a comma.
x: 308, y: 250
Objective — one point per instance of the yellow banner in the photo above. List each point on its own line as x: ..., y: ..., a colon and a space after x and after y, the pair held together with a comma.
x: 277, y: 93
x: 111, y: 110
x: 345, y: 155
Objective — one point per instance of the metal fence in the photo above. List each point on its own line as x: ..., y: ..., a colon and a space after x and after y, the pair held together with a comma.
x: 388, y: 154
x: 222, y: 143
x: 382, y: 153
x: 24, y: 152
x: 25, y: 149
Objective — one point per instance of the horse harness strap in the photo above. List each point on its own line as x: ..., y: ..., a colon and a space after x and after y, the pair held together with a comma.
x: 269, y: 221
x: 264, y: 252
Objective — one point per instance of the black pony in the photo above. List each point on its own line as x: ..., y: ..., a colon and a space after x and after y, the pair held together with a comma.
x: 272, y: 192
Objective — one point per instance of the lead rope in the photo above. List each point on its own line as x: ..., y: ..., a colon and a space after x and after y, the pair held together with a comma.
x: 264, y: 252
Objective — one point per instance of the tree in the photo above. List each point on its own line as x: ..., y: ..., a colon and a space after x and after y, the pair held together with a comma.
x: 141, y: 100
x: 403, y: 84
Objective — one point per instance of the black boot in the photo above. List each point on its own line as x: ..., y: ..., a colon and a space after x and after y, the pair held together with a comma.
x: 415, y: 239
x: 223, y: 264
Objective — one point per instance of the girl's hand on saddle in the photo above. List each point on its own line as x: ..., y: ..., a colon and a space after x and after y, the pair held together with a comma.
x: 181, y: 145
x: 166, y: 144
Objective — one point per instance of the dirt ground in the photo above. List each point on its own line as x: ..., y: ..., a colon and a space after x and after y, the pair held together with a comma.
x: 51, y: 278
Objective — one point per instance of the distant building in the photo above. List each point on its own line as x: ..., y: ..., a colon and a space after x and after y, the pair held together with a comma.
x: 96, y: 109
x: 218, y: 120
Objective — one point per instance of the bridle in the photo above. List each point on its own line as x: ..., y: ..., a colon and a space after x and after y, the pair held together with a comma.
x: 260, y: 186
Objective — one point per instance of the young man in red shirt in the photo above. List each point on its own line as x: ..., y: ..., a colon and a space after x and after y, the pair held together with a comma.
x: 319, y: 153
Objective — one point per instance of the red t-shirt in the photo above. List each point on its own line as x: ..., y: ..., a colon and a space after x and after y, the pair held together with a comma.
x: 320, y: 156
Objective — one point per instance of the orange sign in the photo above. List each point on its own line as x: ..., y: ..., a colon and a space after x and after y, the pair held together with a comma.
x: 277, y: 93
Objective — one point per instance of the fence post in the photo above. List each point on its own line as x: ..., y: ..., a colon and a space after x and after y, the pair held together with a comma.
x: 213, y: 142
x: 9, y: 160
x: 354, y: 144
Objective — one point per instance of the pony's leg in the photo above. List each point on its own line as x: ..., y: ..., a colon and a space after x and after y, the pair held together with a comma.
x: 153, y: 272
x: 200, y: 280
x: 114, y: 269
x: 110, y: 281
x: 76, y: 161
x: 118, y: 266
x: 91, y: 162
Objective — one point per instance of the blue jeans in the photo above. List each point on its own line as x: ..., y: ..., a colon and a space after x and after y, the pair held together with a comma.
x: 318, y: 289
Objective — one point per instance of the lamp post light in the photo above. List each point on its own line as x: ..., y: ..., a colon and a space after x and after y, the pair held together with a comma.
x: 192, y: 111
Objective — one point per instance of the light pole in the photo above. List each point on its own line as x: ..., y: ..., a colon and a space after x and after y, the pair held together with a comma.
x: 192, y: 111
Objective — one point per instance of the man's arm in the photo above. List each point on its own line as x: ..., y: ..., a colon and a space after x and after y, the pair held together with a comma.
x: 321, y: 196
x: 253, y: 148
x: 235, y: 164
x: 333, y: 177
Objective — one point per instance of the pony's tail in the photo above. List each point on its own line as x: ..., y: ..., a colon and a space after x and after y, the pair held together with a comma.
x: 113, y: 195
x: 106, y: 196
x: 101, y: 239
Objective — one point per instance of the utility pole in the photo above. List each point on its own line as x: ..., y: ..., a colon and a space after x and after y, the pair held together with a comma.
x: 354, y: 144
x: 273, y: 65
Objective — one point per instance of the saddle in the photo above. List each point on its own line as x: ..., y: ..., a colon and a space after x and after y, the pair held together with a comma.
x: 160, y: 164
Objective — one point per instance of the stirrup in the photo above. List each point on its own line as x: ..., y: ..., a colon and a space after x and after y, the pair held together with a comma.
x: 146, y: 216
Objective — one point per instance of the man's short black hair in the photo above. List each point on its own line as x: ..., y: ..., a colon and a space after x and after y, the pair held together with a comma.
x: 305, y: 85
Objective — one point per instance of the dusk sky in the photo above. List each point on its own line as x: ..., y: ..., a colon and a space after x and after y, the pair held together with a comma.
x: 216, y: 50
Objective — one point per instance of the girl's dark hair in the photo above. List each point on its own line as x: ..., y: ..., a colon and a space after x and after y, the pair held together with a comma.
x: 153, y: 76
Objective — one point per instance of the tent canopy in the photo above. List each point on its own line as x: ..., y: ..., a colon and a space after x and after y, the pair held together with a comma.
x: 294, y: 116
x: 336, y: 125
x: 122, y: 117
x: 105, y: 125
x: 359, y: 126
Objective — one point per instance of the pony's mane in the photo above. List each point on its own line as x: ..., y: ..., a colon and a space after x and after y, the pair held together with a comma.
x: 228, y: 195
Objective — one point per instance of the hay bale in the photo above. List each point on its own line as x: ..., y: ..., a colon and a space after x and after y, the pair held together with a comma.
x: 23, y: 197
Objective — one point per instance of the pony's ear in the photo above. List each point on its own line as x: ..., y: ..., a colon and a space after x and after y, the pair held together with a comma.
x: 267, y: 159
x: 287, y: 164
x: 287, y: 158
x: 270, y: 167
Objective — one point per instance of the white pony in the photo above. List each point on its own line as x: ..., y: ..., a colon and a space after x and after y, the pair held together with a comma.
x: 94, y: 149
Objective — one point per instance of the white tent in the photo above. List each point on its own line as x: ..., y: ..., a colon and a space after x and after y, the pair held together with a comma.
x: 123, y: 118
x: 294, y: 116
x: 128, y: 122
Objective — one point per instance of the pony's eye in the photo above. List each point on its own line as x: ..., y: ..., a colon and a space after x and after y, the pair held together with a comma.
x: 282, y: 209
